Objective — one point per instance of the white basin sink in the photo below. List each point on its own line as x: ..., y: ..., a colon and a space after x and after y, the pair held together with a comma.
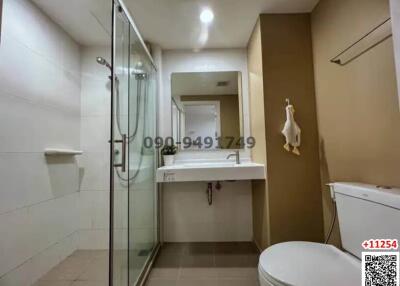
x: 212, y: 171
x: 208, y: 165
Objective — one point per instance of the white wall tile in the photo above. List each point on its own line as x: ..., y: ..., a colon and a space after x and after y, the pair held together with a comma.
x: 89, y: 66
x: 94, y: 165
x: 43, y: 36
x: 94, y: 171
x: 121, y: 209
x: 30, y: 178
x: 94, y: 209
x: 94, y: 134
x: 34, y: 268
x: 95, y: 97
x: 43, y: 82
x: 121, y: 239
x: 20, y: 276
x: 28, y: 127
x: 142, y: 203
x: 15, y: 242
x: 142, y: 237
x: 39, y: 108
x: 52, y: 221
x: 42, y: 262
x: 68, y: 245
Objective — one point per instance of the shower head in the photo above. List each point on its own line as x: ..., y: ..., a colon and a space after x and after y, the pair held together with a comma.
x: 139, y: 74
x: 138, y: 71
x: 103, y: 62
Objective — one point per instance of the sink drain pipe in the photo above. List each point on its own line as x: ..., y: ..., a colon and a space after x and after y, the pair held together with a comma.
x: 210, y: 193
x: 210, y: 190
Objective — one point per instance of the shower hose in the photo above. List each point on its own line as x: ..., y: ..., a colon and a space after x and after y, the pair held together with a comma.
x: 131, y: 138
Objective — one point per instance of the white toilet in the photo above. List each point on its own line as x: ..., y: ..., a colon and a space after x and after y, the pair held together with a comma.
x: 365, y: 212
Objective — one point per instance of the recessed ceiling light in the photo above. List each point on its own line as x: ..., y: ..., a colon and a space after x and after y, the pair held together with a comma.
x: 207, y: 16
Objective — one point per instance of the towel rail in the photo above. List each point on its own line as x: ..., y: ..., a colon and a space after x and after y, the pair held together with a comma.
x: 370, y: 40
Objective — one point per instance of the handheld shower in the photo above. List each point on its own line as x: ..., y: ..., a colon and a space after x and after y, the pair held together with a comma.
x: 140, y: 76
x: 103, y: 62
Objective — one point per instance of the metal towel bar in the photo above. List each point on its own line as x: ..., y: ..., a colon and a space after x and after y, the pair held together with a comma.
x: 373, y: 38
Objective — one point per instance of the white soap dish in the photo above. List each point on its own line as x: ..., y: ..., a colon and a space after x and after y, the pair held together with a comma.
x: 62, y: 152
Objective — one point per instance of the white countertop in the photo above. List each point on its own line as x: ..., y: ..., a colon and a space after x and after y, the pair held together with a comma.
x: 197, y: 171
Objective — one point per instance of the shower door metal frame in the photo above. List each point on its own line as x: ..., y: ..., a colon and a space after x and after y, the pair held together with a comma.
x: 146, y: 269
x: 112, y: 155
x: 121, y: 4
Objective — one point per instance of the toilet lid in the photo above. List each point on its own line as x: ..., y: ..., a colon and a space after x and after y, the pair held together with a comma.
x: 309, y: 264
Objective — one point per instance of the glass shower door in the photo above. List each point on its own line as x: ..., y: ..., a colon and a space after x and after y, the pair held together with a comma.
x: 142, y: 194
x: 120, y: 152
x: 133, y: 222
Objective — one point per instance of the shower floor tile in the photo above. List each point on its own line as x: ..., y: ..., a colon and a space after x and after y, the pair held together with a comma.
x: 206, y: 264
x: 82, y: 268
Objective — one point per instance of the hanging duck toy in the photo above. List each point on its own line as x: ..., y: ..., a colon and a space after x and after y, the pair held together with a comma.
x: 291, y: 131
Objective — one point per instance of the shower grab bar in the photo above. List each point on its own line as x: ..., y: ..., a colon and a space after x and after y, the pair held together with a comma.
x: 123, y: 162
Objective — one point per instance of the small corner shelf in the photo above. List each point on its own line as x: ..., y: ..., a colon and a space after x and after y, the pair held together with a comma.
x: 62, y: 152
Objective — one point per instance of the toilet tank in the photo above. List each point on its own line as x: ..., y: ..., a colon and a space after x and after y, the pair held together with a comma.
x: 366, y: 212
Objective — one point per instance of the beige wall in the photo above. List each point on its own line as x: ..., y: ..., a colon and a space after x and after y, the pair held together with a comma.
x: 291, y: 209
x: 293, y: 182
x: 358, y: 111
x: 395, y: 13
x: 257, y: 125
x: 230, y: 119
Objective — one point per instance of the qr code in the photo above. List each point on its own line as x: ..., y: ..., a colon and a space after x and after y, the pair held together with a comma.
x: 380, y: 269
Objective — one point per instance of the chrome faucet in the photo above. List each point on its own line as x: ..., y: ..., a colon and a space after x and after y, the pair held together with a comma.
x: 237, y: 155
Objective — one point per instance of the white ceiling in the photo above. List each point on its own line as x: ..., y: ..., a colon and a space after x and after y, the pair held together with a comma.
x: 173, y: 24
x: 204, y: 83
x: 88, y: 22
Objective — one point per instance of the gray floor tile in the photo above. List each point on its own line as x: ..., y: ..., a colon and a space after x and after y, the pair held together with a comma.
x: 69, y: 269
x: 197, y: 282
x: 168, y: 260
x: 53, y: 283
x: 90, y: 283
x: 96, y: 271
x: 236, y: 260
x: 238, y: 273
x: 206, y: 264
x: 164, y: 273
x: 202, y: 260
x: 83, y: 267
x: 198, y: 273
x: 200, y: 248
x: 238, y: 282
x: 161, y: 282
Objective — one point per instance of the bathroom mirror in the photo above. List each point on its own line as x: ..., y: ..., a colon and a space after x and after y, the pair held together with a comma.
x: 206, y: 110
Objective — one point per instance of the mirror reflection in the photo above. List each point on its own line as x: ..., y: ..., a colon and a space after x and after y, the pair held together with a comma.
x: 207, y: 110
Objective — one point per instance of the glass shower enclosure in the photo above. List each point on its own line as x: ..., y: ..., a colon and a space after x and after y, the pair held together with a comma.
x: 133, y: 192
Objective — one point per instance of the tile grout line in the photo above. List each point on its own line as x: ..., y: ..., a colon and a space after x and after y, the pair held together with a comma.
x: 38, y: 203
x: 38, y: 253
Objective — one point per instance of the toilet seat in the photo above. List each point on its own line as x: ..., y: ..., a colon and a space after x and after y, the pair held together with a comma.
x: 308, y: 264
